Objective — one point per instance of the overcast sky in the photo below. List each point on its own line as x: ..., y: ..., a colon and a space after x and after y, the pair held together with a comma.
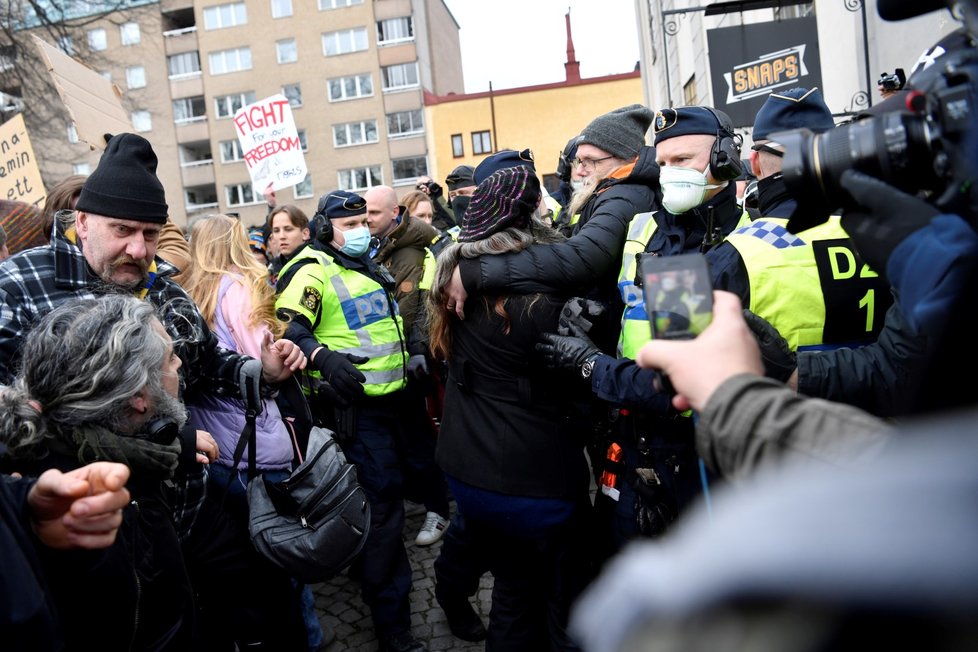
x: 523, y: 42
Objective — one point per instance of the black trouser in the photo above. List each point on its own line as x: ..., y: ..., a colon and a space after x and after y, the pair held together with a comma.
x: 424, y: 481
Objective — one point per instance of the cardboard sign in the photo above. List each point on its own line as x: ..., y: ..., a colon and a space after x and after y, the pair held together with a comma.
x: 20, y: 178
x: 270, y: 143
x: 94, y: 102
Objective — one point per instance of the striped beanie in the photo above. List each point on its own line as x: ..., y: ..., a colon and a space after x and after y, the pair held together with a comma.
x: 507, y: 198
x: 25, y: 225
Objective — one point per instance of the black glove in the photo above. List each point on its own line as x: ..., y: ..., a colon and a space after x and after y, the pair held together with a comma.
x: 339, y: 371
x: 779, y: 360
x: 432, y: 188
x: 654, y: 509
x: 580, y: 312
x: 888, y: 217
x: 567, y: 351
x: 565, y: 163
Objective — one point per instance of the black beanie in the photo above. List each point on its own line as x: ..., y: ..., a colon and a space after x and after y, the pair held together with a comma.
x: 125, y: 185
x: 621, y: 132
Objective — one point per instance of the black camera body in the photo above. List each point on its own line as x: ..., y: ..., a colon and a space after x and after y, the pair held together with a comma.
x: 894, y: 82
x: 927, y: 145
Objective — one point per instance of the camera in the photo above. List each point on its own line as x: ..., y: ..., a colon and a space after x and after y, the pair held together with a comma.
x: 925, y: 146
x: 894, y: 82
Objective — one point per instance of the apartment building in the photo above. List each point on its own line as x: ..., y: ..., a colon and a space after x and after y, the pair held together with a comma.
x: 354, y: 72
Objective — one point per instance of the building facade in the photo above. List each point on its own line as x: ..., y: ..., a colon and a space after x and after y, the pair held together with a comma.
x: 353, y: 71
x: 847, y: 44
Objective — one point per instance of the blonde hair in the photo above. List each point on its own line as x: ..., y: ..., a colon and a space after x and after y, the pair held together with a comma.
x: 219, y: 245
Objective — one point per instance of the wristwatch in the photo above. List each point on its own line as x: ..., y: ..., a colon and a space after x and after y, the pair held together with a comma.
x: 588, y: 367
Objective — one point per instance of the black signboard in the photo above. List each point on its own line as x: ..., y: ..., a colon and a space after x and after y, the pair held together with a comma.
x: 749, y: 62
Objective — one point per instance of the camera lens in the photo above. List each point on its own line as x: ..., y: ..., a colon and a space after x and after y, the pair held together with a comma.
x: 894, y: 147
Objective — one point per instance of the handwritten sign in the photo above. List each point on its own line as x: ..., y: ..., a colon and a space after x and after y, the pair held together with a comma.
x: 20, y: 178
x: 270, y: 142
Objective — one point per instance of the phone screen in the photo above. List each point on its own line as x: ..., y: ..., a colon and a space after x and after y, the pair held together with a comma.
x: 678, y: 295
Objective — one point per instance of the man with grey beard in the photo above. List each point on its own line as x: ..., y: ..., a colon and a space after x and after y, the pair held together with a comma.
x: 108, y: 245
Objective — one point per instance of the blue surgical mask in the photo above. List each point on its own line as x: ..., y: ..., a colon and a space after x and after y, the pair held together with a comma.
x: 356, y: 241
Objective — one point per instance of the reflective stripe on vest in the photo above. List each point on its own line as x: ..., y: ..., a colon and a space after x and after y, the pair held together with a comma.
x: 354, y: 317
x: 811, y: 286
x: 635, y: 329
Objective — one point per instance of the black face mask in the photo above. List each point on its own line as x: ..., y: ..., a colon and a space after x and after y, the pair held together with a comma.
x: 770, y: 191
x: 459, y: 204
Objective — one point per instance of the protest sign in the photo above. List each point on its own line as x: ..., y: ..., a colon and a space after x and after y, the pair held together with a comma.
x: 20, y: 178
x: 270, y: 143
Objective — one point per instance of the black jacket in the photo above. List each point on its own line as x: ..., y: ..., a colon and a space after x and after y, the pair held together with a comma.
x: 588, y: 263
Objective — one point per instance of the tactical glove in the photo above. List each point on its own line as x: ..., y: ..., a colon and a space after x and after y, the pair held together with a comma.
x: 886, y: 218
x: 569, y: 352
x: 654, y: 509
x: 339, y: 371
x: 418, y: 366
x: 779, y: 360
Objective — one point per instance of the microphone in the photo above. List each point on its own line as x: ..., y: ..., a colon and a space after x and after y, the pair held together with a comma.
x: 902, y: 9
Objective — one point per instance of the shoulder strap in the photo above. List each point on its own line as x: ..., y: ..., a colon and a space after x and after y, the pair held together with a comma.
x: 284, y: 279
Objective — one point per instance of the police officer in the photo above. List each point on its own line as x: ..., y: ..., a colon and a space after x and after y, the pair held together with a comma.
x: 812, y: 286
x: 341, y: 310
x: 648, y: 468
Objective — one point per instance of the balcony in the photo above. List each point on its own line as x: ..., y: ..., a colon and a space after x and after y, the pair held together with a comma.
x: 178, y: 41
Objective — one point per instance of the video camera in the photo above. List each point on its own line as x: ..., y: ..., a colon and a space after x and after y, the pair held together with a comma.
x: 894, y: 82
x: 925, y: 142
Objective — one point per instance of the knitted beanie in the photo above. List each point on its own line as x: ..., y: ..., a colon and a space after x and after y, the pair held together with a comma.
x: 507, y: 198
x: 125, y: 185
x: 621, y: 132
x: 460, y: 177
x: 25, y: 225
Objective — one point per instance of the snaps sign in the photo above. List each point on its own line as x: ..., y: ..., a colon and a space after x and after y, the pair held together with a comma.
x: 270, y: 143
x: 765, y: 57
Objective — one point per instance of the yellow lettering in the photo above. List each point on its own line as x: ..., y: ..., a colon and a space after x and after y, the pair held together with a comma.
x: 837, y: 256
x: 778, y: 67
x: 766, y: 79
x: 740, y: 81
x: 791, y: 66
x: 867, y: 272
x: 753, y: 81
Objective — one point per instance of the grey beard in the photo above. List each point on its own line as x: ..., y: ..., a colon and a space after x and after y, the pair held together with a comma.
x: 168, y: 407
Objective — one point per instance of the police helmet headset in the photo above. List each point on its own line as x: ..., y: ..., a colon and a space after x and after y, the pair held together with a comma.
x: 725, y: 163
x: 324, y: 226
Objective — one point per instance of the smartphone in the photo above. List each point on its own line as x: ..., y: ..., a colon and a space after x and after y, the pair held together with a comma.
x: 678, y: 294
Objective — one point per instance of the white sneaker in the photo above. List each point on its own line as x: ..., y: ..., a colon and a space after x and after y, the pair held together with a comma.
x: 433, y: 529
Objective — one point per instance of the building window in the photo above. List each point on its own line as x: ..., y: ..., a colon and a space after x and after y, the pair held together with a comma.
x: 141, y: 120
x: 481, y: 142
x: 355, y: 133
x: 189, y: 109
x: 395, y: 30
x: 689, y: 91
x: 232, y: 60
x: 97, y: 40
x: 231, y: 151
x: 239, y: 194
x: 186, y: 63
x: 66, y: 45
x: 281, y: 8
x: 400, y: 76
x: 458, y: 146
x: 222, y: 16
x: 136, y: 77
x: 360, y: 178
x: 325, y: 5
x: 226, y: 106
x: 83, y: 169
x: 129, y: 32
x: 72, y: 133
x: 345, y: 41
x: 303, y: 189
x: 303, y: 143
x: 407, y: 170
x: 348, y: 88
x: 286, y: 51
x: 293, y: 93
x: 405, y: 123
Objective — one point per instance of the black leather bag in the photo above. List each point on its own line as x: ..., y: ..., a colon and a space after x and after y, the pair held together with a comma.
x: 315, y: 522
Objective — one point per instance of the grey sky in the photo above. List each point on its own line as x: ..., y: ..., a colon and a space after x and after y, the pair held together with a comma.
x: 523, y: 42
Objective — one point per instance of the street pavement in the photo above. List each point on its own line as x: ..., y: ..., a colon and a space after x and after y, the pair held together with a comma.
x: 342, y: 612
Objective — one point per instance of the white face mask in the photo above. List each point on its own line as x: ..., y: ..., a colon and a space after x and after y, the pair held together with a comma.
x: 577, y: 185
x: 683, y: 188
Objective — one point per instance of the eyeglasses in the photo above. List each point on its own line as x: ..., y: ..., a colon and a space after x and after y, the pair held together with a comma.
x: 589, y: 163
